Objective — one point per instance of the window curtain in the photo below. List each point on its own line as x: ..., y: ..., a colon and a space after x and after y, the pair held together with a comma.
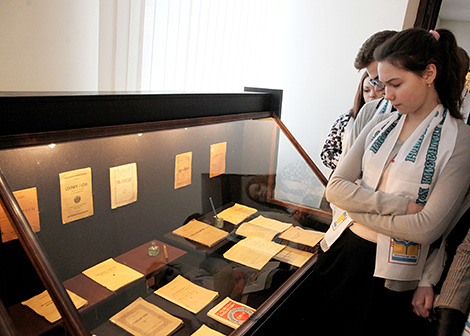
x: 188, y: 45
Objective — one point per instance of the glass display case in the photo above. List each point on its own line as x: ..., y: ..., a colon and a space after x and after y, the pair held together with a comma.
x: 110, y: 199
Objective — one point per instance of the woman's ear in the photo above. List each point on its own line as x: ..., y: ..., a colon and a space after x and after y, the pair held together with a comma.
x: 430, y: 73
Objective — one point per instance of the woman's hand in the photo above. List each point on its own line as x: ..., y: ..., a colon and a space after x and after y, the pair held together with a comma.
x: 423, y: 300
x: 413, y: 208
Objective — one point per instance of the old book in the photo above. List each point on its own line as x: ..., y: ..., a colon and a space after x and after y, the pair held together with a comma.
x: 231, y: 312
x: 201, y: 233
x: 142, y: 318
x: 186, y: 294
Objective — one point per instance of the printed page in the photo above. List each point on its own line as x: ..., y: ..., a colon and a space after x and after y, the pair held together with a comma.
x: 237, y: 213
x: 201, y: 233
x: 253, y: 252
x: 43, y: 305
x: 76, y: 195
x: 123, y: 184
x: 186, y: 294
x: 217, y: 159
x: 112, y: 275
x: 142, y: 318
x: 28, y: 201
x: 183, y: 167
x: 306, y: 237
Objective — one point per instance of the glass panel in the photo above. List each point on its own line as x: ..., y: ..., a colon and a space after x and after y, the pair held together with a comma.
x: 248, y: 162
x: 296, y: 183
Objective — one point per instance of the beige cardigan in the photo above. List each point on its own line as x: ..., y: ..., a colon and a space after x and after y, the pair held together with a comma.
x: 385, y: 213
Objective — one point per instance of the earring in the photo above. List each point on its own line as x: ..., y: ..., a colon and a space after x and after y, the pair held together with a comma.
x: 429, y: 85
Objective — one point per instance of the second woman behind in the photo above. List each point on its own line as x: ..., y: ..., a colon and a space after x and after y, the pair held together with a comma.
x: 332, y: 148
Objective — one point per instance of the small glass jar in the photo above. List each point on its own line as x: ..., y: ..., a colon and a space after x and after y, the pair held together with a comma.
x: 154, y: 250
x: 219, y: 222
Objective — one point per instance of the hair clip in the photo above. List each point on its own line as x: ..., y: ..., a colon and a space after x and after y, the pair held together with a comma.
x: 435, y: 34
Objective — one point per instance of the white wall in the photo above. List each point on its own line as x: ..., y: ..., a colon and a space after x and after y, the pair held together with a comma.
x: 460, y: 30
x: 48, y: 45
x: 321, y: 42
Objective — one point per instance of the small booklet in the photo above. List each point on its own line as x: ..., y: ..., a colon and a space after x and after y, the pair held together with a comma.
x: 142, y: 318
x: 206, y: 331
x: 43, y: 305
x: 253, y: 252
x: 231, y: 312
x: 237, y: 213
x: 186, y: 294
x: 112, y: 275
x: 201, y: 233
x: 305, y: 237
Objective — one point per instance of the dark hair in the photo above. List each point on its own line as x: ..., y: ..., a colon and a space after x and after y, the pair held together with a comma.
x: 365, y: 55
x: 359, y: 98
x: 415, y: 48
x: 465, y: 59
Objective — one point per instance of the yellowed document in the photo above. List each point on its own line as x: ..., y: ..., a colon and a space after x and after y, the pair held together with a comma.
x: 252, y: 230
x: 123, y: 184
x: 306, y: 237
x: 186, y: 294
x: 217, y: 163
x: 76, y: 194
x: 43, y: 305
x: 237, y: 213
x: 112, y: 275
x: 201, y: 233
x: 253, y: 252
x: 183, y: 169
x: 142, y: 318
x: 293, y: 256
x: 28, y: 202
x: 262, y: 227
x: 206, y: 331
x: 271, y: 224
